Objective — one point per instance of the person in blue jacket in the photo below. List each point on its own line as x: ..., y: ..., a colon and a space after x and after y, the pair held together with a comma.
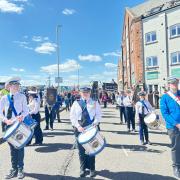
x: 170, y: 109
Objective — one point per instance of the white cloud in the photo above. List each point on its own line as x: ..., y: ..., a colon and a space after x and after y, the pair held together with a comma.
x: 39, y: 38
x: 90, y: 57
x: 20, y: 0
x: 68, y: 11
x: 23, y: 44
x: 4, y: 78
x: 110, y: 65
x: 17, y: 69
x: 116, y: 53
x: 46, y: 48
x: 69, y: 66
x: 8, y: 7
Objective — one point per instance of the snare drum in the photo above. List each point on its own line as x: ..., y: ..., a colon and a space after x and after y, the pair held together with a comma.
x: 18, y: 135
x: 92, y: 141
x: 30, y: 122
x: 152, y: 121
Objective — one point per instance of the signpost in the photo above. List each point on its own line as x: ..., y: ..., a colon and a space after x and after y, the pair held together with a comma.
x: 110, y: 87
x: 58, y: 80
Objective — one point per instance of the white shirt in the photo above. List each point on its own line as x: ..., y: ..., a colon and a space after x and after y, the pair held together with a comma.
x: 20, y: 104
x: 139, y: 107
x: 93, y: 109
x: 120, y: 100
x: 34, y: 106
x: 128, y: 101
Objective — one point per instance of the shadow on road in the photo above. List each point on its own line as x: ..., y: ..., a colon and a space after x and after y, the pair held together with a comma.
x: 134, y: 148
x: 52, y: 134
x: 132, y: 176
x: 110, y: 117
x: 121, y: 132
x: 49, y: 177
x: 48, y: 148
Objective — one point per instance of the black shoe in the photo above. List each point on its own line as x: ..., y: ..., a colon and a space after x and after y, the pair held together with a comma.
x: 82, y: 173
x: 37, y: 144
x: 92, y: 173
x: 142, y: 143
x: 12, y: 174
x: 46, y: 128
x: 59, y: 121
x: 148, y: 142
x: 20, y: 174
x: 176, y: 172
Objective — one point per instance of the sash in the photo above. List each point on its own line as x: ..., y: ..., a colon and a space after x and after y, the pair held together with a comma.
x: 12, y: 105
x: 176, y: 99
x: 144, y: 105
x: 85, y: 112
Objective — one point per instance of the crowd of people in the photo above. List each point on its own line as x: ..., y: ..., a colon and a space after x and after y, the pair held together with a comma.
x: 85, y: 111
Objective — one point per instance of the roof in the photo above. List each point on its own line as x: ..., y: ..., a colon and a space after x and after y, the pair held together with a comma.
x: 147, y: 6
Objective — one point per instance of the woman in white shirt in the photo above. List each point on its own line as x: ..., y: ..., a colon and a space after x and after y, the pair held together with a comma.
x: 143, y: 107
x: 34, y: 107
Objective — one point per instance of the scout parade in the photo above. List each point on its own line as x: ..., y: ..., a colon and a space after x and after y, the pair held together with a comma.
x: 21, y: 121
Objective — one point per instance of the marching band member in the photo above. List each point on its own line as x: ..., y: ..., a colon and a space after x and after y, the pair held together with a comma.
x: 20, y: 104
x: 85, y: 112
x: 34, y: 107
x: 129, y: 110
x: 143, y: 107
x: 120, y: 102
x: 170, y: 109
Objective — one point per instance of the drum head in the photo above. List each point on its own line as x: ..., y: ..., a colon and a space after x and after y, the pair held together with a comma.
x: 87, y: 135
x: 11, y: 130
x: 150, y: 118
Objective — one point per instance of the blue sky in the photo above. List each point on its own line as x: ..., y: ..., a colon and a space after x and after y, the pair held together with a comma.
x: 90, y: 39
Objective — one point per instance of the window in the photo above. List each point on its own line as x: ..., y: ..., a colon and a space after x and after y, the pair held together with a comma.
x: 151, y: 61
x: 175, y: 30
x: 175, y: 58
x: 151, y: 37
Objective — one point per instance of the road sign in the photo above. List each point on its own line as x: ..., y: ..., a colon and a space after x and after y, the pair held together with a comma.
x: 110, y: 86
x: 58, y: 79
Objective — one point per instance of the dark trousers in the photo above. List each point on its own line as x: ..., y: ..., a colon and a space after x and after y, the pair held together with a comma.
x: 67, y: 107
x: 143, y: 129
x: 174, y: 135
x: 37, y: 130
x: 86, y: 161
x: 122, y: 113
x: 3, y: 126
x: 105, y: 104
x: 49, y: 116
x: 58, y: 114
x: 17, y: 157
x: 129, y: 111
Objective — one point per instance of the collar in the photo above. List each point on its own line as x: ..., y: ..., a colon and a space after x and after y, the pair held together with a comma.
x: 14, y: 94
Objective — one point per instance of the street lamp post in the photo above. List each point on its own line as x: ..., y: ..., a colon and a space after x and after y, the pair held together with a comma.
x: 78, y: 75
x: 57, y: 49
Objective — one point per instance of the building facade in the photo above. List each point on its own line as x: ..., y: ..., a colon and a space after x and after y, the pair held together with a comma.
x: 161, y: 39
x: 150, y: 44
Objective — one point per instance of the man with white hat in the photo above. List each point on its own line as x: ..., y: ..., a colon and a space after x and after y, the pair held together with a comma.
x: 170, y: 109
x: 20, y: 104
x: 85, y: 112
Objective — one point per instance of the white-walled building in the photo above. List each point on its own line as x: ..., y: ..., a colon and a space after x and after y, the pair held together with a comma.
x: 161, y: 44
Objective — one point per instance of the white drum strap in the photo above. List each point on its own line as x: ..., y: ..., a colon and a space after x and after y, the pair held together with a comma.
x: 173, y: 97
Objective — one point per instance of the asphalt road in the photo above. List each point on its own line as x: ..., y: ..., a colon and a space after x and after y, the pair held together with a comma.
x: 122, y: 159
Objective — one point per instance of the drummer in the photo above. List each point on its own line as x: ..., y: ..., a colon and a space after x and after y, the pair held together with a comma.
x: 79, y: 117
x: 34, y: 107
x: 170, y: 109
x: 143, y: 107
x: 20, y: 104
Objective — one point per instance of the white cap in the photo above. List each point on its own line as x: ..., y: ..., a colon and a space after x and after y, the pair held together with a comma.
x: 32, y: 92
x: 13, y: 79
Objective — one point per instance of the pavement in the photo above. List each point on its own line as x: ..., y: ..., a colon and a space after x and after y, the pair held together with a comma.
x: 122, y: 159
